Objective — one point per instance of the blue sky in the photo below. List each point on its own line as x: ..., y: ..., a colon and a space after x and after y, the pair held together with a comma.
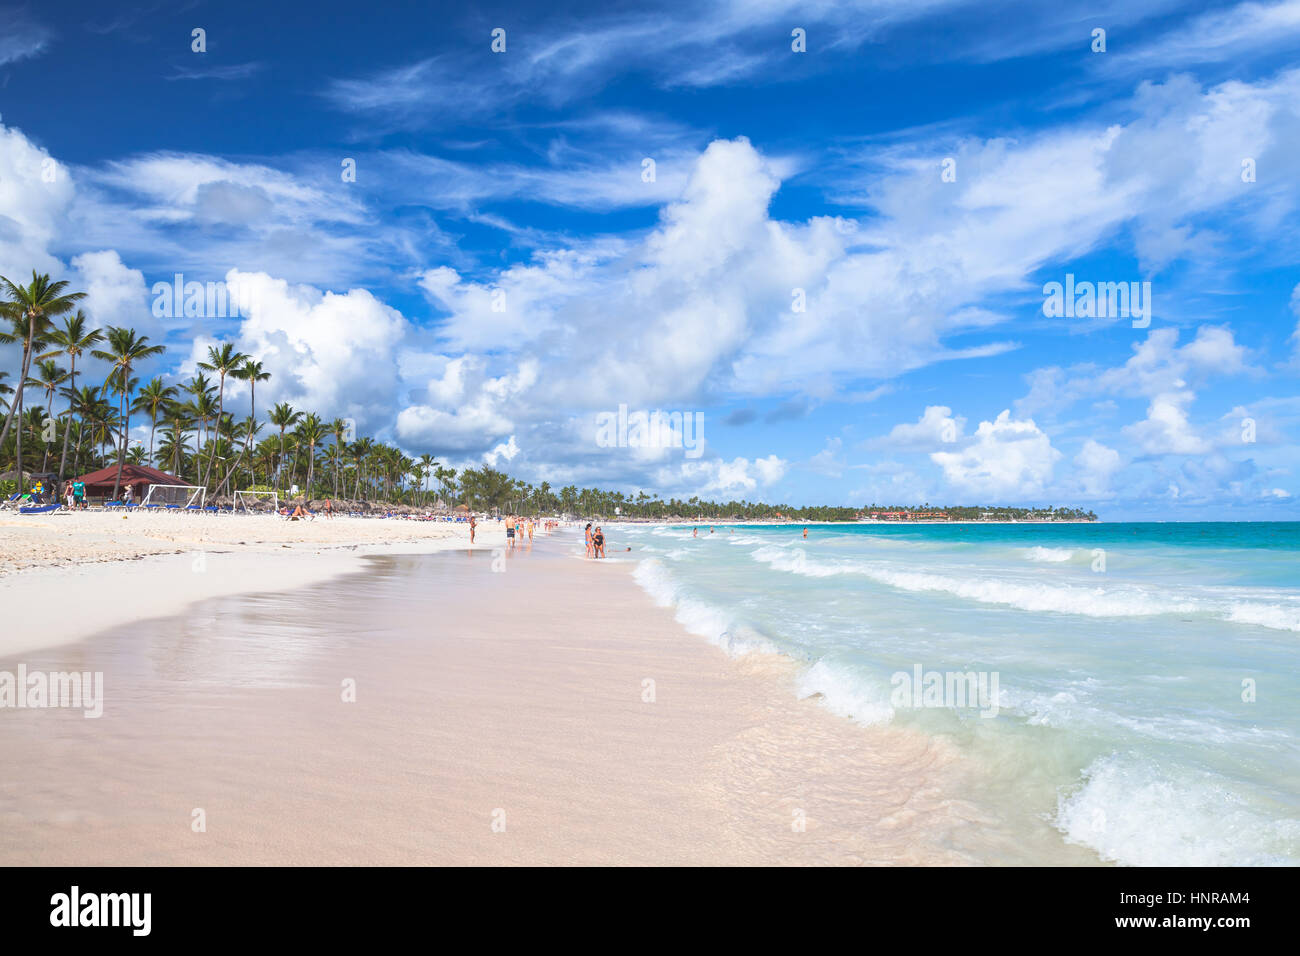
x: 503, y: 269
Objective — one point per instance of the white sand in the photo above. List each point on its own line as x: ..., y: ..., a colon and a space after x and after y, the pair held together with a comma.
x: 67, y: 576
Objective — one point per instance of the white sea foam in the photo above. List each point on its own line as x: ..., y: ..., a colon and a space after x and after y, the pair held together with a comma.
x: 1051, y: 555
x: 845, y: 694
x: 709, y: 621
x: 1135, y: 814
x: 1033, y: 595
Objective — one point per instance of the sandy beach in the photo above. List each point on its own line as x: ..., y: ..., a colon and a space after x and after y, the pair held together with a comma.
x: 124, y: 569
x: 523, y: 709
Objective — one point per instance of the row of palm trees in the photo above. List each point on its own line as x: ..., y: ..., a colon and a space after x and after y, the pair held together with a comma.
x: 192, y: 434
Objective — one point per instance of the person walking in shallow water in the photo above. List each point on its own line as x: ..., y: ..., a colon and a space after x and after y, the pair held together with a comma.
x: 805, y: 534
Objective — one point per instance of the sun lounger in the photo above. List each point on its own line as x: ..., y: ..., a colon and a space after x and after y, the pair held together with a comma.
x: 39, y: 509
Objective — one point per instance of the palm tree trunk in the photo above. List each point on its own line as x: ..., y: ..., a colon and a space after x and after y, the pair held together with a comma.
x: 18, y: 436
x: 121, y: 448
x: 18, y: 392
x: 221, y: 409
x: 72, y: 392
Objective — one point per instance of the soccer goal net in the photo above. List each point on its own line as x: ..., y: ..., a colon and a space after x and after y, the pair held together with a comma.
x: 250, y: 501
x: 175, y: 497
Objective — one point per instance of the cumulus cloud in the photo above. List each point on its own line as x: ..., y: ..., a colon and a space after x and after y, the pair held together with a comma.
x: 1096, y: 465
x: 1166, y: 429
x: 334, y: 354
x: 740, y: 476
x: 935, y: 426
x: 1006, y: 459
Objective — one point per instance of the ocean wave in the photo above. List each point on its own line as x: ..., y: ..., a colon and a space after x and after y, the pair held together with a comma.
x: 1037, y: 596
x: 844, y: 693
x: 1050, y: 555
x: 701, y: 618
x: 1135, y: 814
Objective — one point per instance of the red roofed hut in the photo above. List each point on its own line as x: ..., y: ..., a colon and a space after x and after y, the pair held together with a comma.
x: 141, y: 476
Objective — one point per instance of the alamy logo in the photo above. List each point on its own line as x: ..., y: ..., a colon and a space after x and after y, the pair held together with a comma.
x: 38, y: 689
x: 200, y: 300
x: 651, y: 429
x: 946, y: 689
x: 1099, y: 300
x: 102, y: 909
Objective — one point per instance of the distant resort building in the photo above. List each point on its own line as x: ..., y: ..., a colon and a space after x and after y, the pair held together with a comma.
x: 909, y: 516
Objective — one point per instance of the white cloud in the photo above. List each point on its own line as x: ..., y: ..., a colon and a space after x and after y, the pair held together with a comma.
x: 935, y: 426
x: 1246, y: 29
x: 740, y: 476
x: 1007, y: 459
x: 23, y: 38
x: 1166, y: 429
x: 1096, y: 465
x: 334, y: 354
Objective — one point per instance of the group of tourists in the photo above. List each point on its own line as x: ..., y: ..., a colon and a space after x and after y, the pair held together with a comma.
x: 516, y: 528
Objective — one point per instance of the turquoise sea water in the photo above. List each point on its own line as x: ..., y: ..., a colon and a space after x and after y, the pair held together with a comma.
x: 1143, y: 680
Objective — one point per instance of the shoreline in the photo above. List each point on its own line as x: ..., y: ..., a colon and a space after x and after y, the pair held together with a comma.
x: 496, y: 702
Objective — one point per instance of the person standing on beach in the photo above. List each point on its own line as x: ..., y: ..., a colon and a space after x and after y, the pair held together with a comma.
x: 586, y: 532
x: 510, y: 530
x: 529, y: 526
x: 473, y: 523
x: 79, y: 493
x: 598, y: 542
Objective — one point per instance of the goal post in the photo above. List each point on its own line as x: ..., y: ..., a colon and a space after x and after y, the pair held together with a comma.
x: 176, y: 497
x: 251, y: 501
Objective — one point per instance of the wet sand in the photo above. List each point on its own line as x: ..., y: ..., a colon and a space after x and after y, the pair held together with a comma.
x: 500, y: 717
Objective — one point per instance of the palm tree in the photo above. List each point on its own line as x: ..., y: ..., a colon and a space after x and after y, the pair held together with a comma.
x: 224, y: 361
x: 282, y: 416
x: 50, y: 378
x: 88, y: 405
x: 5, y: 389
x: 310, y: 433
x: 37, y: 303
x: 173, y: 447
x: 125, y: 349
x: 360, y: 450
x: 251, y: 372
x: 201, y: 407
x: 154, y: 399
x: 426, y: 466
x: 339, y: 429
x: 178, y: 418
x: 72, y: 340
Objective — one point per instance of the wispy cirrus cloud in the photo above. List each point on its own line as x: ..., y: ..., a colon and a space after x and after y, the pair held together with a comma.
x: 234, y: 71
x: 21, y: 37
